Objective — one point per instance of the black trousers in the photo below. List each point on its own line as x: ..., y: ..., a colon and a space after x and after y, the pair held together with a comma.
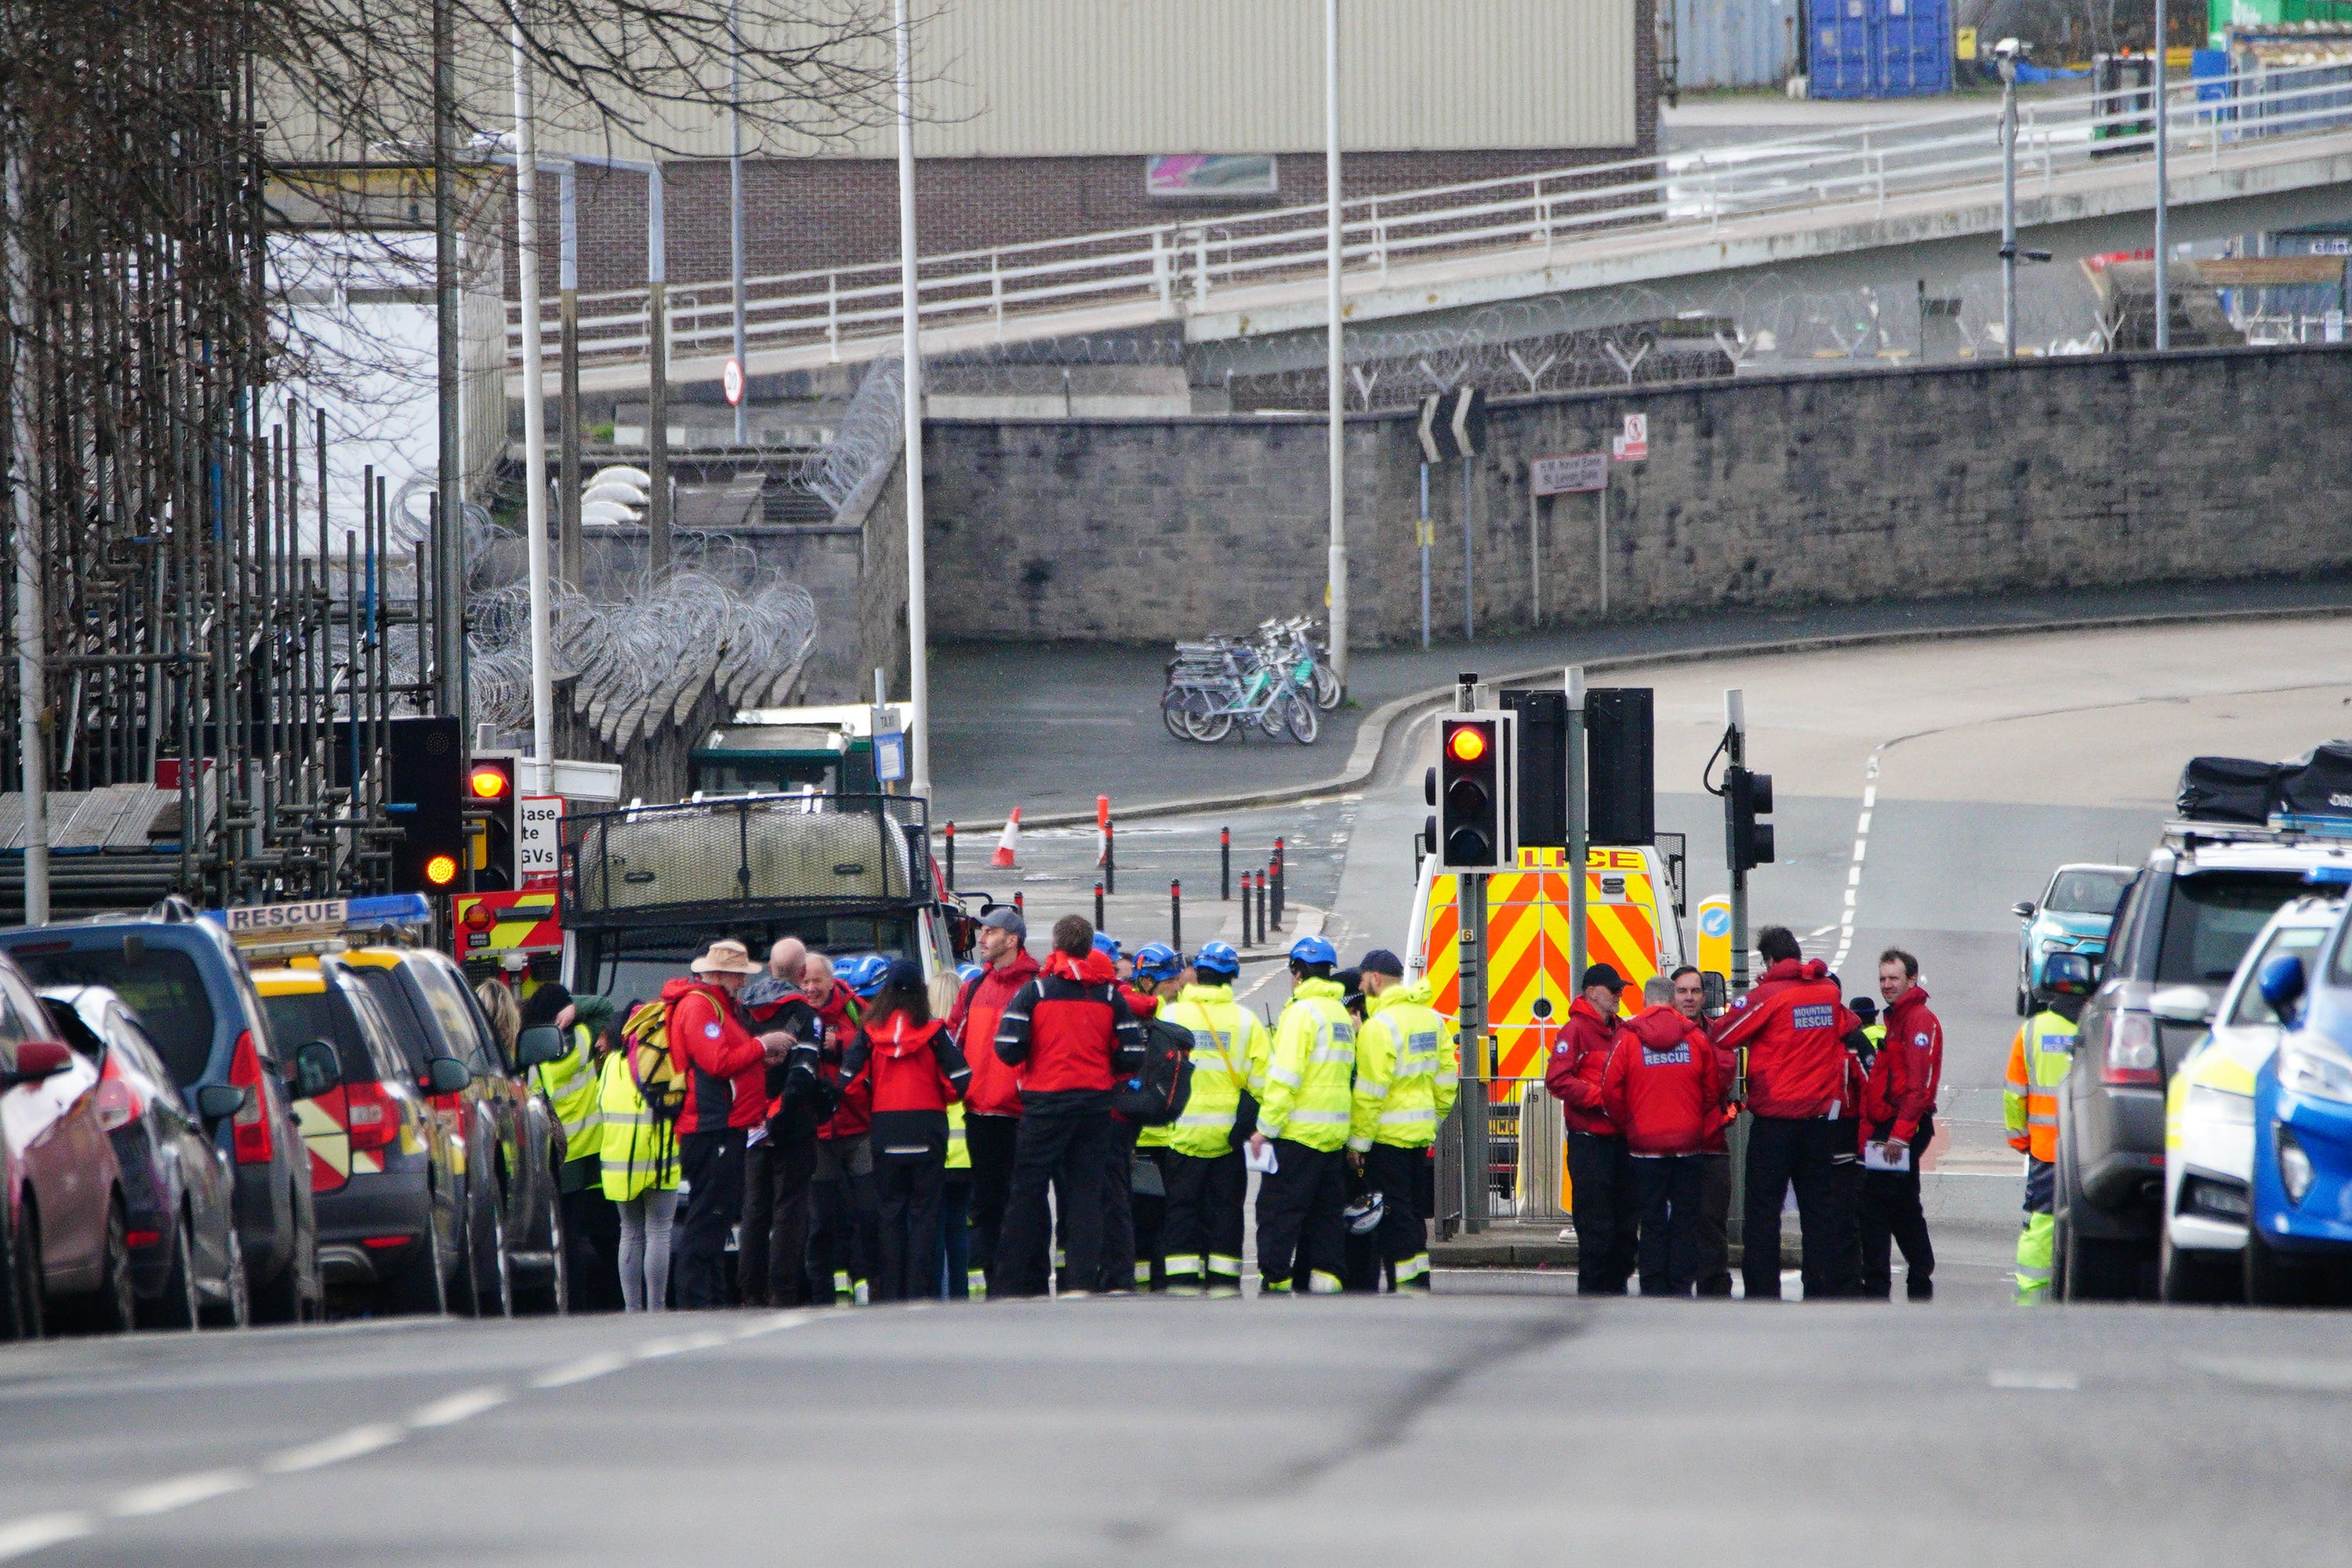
x: 773, y: 1269
x: 1202, y: 1232
x: 1403, y: 1238
x: 1714, y: 1224
x: 1891, y: 1213
x: 1300, y: 1233
x: 592, y: 1245
x: 1067, y: 1145
x: 1602, y: 1202
x: 990, y: 1141
x: 910, y: 1158
x: 1150, y: 1218
x: 1118, y: 1269
x: 712, y: 1164
x: 844, y: 1221
x: 1805, y: 1152
x: 1670, y: 1188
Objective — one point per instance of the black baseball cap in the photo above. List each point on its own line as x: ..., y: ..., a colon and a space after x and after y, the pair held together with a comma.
x: 1603, y: 974
x: 1381, y: 961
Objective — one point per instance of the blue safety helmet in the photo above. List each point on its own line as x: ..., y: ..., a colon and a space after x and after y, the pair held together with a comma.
x: 1107, y: 945
x: 1158, y: 961
x: 1218, y: 958
x: 1313, y: 949
x: 863, y: 974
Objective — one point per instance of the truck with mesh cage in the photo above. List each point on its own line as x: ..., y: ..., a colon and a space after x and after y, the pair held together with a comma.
x: 642, y: 889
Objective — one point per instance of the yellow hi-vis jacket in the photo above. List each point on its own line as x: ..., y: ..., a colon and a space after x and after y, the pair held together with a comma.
x: 1408, y: 1065
x: 2038, y: 1059
x: 959, y: 1151
x: 1310, y: 1076
x: 571, y: 1087
x: 639, y: 1149
x: 1226, y: 1038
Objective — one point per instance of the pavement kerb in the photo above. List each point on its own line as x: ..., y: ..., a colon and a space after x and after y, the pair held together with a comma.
x: 1371, y: 736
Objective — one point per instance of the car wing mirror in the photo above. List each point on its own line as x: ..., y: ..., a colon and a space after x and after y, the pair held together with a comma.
x: 448, y: 1075
x: 2182, y: 1005
x: 1716, y: 995
x: 317, y: 1069
x: 539, y: 1045
x: 2023, y: 909
x: 2281, y: 982
x: 37, y: 1060
x: 219, y: 1101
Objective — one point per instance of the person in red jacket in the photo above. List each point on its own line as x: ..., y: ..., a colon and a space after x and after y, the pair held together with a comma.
x: 1715, y: 1154
x: 992, y: 1106
x: 845, y: 1237
x: 709, y: 1048
x: 1070, y: 1033
x: 910, y: 1069
x: 1898, y: 1119
x: 1663, y: 1088
x: 1794, y: 1028
x: 1600, y: 1191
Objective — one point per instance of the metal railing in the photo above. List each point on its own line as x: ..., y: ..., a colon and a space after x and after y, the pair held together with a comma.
x: 1170, y: 271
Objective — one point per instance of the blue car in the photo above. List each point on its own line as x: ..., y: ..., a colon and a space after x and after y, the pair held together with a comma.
x: 2074, y: 916
x: 2299, y: 1236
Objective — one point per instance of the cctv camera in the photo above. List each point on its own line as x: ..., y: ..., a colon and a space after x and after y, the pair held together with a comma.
x: 2010, y: 48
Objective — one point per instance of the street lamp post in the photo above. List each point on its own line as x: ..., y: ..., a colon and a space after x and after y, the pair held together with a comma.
x: 2008, y: 202
x: 1334, y: 347
x: 535, y: 424
x: 735, y: 198
x: 2163, y: 289
x: 918, y: 670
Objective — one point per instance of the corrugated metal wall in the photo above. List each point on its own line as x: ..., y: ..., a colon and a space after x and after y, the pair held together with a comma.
x: 1734, y: 43
x: 1058, y: 77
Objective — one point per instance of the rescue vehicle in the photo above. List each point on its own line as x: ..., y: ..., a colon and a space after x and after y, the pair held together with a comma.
x: 1634, y: 905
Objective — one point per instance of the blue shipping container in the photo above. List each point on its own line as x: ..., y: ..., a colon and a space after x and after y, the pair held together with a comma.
x: 1880, y: 49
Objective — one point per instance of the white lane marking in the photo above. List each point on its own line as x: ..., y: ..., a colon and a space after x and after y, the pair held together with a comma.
x: 678, y: 1344
x: 351, y: 1444
x: 580, y: 1371
x: 1861, y: 852
x: 179, y: 1492
x: 2037, y: 1381
x: 23, y: 1536
x: 753, y: 1331
x: 456, y: 1407
x: 2277, y: 1372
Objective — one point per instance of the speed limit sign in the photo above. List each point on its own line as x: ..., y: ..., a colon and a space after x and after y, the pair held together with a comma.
x: 730, y: 381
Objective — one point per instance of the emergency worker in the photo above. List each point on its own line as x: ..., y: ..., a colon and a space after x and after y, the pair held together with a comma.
x: 1408, y: 1066
x: 711, y: 1049
x: 844, y: 1206
x: 992, y: 1104
x: 1714, y: 1151
x: 1303, y: 1117
x: 1899, y: 1113
x: 780, y: 1153
x: 1796, y: 1030
x: 958, y: 1280
x: 1162, y: 968
x: 1117, y: 1275
x: 1202, y: 1165
x: 909, y: 1069
x: 591, y: 1227
x: 2038, y: 1060
x: 1601, y: 1176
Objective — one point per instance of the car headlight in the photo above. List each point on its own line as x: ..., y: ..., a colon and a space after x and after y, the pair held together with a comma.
x: 2220, y: 1107
x: 2314, y: 1068
x: 2294, y: 1166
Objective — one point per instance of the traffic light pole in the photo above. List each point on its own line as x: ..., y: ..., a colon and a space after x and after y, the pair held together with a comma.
x: 1734, y: 745
x: 1470, y: 1102
x: 1579, y: 802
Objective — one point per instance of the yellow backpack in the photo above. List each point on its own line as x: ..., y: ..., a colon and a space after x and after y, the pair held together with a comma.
x: 645, y: 1042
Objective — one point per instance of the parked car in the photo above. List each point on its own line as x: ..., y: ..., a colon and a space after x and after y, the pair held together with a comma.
x: 385, y: 1176
x: 2075, y: 910
x: 189, y: 987
x: 2188, y: 918
x: 179, y: 1190
x: 2299, y: 1234
x: 2208, y: 1113
x: 507, y: 1134
x: 68, y: 1222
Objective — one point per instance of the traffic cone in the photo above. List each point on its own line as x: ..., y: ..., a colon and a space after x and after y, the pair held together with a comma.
x: 1102, y: 828
x: 1008, y: 842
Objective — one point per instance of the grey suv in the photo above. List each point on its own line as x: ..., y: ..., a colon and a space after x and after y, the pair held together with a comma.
x: 2186, y: 921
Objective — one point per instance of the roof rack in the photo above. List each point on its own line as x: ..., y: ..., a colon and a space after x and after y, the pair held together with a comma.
x: 2283, y: 829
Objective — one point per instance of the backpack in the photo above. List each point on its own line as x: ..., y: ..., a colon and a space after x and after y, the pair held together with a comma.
x: 1156, y: 1096
x: 645, y: 1042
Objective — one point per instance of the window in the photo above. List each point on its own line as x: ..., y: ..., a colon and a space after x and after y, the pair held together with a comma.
x: 2213, y: 918
x: 462, y: 1025
x: 164, y: 988
x: 2086, y: 892
x: 402, y: 1012
x: 2303, y: 940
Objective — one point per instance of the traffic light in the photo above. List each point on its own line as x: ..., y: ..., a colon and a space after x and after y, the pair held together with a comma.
x: 426, y: 778
x: 1747, y: 796
x: 1619, y: 762
x: 491, y: 801
x: 1477, y: 813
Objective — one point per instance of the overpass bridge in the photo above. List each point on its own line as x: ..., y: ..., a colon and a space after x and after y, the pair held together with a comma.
x: 2266, y: 148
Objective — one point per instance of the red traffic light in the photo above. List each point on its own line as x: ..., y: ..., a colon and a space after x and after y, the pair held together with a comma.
x: 1468, y: 743
x: 489, y: 782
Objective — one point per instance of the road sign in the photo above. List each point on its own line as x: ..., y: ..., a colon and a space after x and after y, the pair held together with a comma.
x: 523, y: 922
x: 891, y: 757
x: 1714, y: 935
x: 1574, y: 474
x: 538, y: 822
x: 1453, y: 424
x: 1633, y: 446
x: 730, y: 381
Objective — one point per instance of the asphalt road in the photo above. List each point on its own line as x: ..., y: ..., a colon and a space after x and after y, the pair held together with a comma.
x: 1502, y: 1422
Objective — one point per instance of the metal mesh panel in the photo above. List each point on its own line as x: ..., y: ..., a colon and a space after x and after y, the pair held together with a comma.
x: 820, y: 850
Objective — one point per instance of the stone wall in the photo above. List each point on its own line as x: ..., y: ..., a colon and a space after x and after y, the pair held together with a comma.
x: 1853, y: 485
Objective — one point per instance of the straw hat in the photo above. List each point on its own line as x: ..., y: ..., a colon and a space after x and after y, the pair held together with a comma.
x: 725, y: 957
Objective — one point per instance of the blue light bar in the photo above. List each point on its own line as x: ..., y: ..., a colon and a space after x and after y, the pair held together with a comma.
x: 389, y: 910
x: 2335, y: 874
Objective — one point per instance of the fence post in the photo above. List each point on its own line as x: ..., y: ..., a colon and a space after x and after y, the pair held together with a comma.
x: 1176, y: 915
x: 1200, y: 264
x: 1160, y: 282
x: 832, y: 316
x: 950, y: 857
x: 996, y: 292
x: 1099, y: 908
x: 1224, y: 865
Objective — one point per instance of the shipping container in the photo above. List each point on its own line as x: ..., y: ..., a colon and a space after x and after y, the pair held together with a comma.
x: 2223, y: 15
x: 1733, y: 43
x: 1880, y: 49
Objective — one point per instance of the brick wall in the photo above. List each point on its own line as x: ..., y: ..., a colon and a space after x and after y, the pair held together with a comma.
x: 1794, y: 489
